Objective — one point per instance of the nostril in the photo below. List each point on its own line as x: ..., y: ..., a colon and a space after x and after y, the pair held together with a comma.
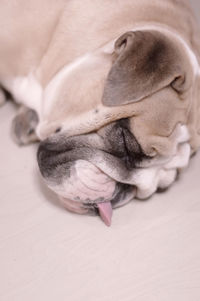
x: 50, y: 145
x: 46, y: 159
x: 56, y: 143
x: 44, y: 152
x: 41, y: 155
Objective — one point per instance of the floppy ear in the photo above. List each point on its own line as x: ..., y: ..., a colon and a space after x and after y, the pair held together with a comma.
x: 144, y: 62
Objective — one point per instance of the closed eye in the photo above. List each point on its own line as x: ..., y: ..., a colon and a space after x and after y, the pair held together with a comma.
x: 133, y: 152
x: 128, y: 157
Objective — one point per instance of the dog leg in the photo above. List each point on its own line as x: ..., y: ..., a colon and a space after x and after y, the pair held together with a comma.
x: 24, y: 125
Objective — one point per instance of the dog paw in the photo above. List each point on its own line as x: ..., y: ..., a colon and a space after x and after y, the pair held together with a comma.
x: 24, y: 125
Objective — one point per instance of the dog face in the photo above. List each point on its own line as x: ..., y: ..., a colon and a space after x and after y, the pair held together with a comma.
x: 117, y: 124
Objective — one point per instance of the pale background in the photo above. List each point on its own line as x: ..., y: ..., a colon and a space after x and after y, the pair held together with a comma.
x: 151, y: 252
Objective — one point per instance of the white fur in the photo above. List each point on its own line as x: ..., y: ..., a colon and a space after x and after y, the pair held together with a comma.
x: 180, y: 136
x: 57, y: 81
x: 147, y: 180
x: 26, y: 90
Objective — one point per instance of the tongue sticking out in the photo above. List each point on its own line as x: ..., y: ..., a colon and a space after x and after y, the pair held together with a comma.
x: 105, y: 211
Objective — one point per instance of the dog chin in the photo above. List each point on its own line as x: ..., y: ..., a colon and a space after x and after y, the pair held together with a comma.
x: 88, y: 189
x: 88, y: 186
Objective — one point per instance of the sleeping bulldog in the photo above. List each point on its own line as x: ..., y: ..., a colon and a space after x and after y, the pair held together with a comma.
x: 110, y: 88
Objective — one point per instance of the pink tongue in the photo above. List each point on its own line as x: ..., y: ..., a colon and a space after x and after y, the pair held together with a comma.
x: 105, y: 211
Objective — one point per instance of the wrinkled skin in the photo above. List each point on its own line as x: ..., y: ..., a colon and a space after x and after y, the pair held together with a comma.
x: 137, y: 152
x: 88, y: 170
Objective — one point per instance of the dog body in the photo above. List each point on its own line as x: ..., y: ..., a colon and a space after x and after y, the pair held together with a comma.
x: 115, y: 85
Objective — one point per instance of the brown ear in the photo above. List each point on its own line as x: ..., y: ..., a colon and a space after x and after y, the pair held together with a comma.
x: 144, y: 62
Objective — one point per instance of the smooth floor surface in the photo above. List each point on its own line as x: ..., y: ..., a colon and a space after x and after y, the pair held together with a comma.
x: 151, y: 251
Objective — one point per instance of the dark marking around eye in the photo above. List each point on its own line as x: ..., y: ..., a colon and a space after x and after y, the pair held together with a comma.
x: 122, y: 143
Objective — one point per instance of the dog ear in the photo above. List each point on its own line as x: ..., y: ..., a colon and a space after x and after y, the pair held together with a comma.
x: 144, y: 62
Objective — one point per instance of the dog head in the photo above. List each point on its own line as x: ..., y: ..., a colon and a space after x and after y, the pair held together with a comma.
x: 116, y: 123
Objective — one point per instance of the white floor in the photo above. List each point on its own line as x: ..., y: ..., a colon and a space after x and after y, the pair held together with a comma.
x: 151, y: 251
